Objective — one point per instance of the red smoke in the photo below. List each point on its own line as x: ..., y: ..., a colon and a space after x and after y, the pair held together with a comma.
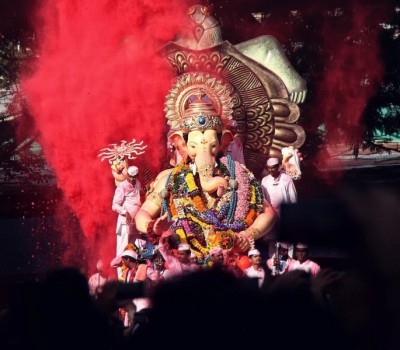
x: 98, y: 81
x: 335, y: 46
x: 352, y: 73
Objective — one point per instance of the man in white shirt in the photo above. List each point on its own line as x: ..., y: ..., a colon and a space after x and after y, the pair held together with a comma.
x: 302, y: 261
x: 278, y: 187
x: 255, y: 270
x: 126, y: 203
x: 179, y: 264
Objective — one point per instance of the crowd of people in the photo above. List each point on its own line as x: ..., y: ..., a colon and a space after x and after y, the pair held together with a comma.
x: 161, y: 293
x: 282, y: 286
x: 152, y: 298
x: 140, y: 260
x: 218, y: 305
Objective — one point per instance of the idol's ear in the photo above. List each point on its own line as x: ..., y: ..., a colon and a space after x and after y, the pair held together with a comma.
x: 226, y: 139
x: 178, y: 141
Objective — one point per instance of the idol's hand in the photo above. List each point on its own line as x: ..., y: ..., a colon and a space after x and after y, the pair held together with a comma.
x: 242, y: 242
x: 161, y: 225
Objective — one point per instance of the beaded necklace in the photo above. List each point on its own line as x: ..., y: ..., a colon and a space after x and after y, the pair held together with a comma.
x: 205, y: 228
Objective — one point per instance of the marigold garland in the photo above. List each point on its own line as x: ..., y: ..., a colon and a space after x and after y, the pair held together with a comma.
x: 207, y: 228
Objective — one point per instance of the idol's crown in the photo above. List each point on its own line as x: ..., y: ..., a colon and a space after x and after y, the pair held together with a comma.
x: 198, y: 101
x: 201, y: 116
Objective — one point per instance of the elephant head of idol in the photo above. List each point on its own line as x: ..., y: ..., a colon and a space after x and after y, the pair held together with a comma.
x: 199, y: 114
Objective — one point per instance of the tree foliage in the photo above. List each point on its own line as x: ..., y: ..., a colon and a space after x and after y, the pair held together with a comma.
x: 21, y: 158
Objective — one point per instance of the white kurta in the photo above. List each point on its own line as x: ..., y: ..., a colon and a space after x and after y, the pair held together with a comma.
x: 279, y: 190
x: 307, y: 266
x: 253, y: 273
x: 126, y: 199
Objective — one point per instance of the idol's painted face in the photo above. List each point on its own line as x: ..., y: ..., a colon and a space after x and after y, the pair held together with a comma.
x: 202, y: 143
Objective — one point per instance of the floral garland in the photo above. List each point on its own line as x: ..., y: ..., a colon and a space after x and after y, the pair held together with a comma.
x: 207, y: 228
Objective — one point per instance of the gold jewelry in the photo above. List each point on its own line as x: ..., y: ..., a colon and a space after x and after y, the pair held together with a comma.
x: 206, y: 171
x: 253, y: 232
x: 202, y: 122
x: 155, y: 198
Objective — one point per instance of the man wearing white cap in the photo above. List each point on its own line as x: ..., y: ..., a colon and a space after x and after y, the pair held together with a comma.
x: 217, y: 257
x: 133, y: 272
x: 255, y: 270
x: 302, y: 262
x: 278, y: 187
x: 126, y: 203
x: 194, y: 259
x: 218, y: 260
x: 130, y: 260
x: 179, y: 264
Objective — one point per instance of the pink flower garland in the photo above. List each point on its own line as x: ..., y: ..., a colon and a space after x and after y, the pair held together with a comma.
x: 242, y: 176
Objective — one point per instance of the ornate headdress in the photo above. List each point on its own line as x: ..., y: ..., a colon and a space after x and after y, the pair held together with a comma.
x: 199, y: 101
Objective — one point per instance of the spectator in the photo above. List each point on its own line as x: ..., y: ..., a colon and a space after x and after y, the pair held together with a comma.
x: 126, y: 203
x: 302, y: 262
x: 130, y: 261
x: 157, y: 271
x: 176, y: 264
x: 217, y: 257
x: 255, y: 270
x: 193, y: 258
x: 98, y: 279
x: 210, y: 300
x: 278, y: 187
x: 279, y: 262
x: 117, y: 264
x: 67, y: 315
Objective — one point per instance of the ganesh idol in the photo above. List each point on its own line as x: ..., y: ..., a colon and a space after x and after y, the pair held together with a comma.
x: 208, y: 200
x: 223, y: 95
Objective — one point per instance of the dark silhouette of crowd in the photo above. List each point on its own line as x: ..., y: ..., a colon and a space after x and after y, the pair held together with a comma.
x: 215, y: 309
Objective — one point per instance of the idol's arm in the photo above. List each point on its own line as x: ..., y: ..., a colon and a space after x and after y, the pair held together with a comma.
x: 264, y: 222
x: 259, y: 228
x: 151, y: 208
x: 147, y: 212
